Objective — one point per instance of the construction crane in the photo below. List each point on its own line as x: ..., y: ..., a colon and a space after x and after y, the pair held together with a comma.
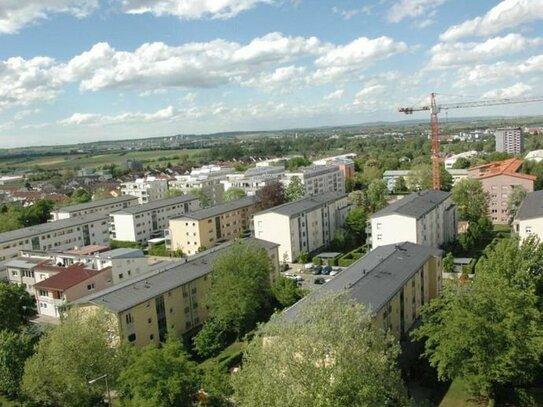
x: 435, y: 109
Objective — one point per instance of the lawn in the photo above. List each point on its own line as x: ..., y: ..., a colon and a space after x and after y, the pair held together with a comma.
x: 230, y: 352
x: 457, y: 396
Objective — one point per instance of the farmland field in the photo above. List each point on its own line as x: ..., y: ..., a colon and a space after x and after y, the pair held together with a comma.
x: 61, y: 162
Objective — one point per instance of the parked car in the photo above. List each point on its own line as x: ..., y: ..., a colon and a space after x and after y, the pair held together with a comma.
x: 317, y: 270
x: 319, y: 280
x: 335, y: 271
x: 326, y: 270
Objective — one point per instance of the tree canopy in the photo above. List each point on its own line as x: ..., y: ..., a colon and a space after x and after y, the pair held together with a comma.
x: 336, y: 357
x: 16, y: 306
x: 233, y: 193
x: 470, y: 198
x: 295, y: 189
x: 270, y: 195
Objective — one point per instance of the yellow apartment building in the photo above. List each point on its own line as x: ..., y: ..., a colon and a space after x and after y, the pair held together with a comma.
x: 208, y: 227
x: 171, y: 295
x: 393, y: 282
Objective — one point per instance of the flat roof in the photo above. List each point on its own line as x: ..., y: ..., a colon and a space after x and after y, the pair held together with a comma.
x: 50, y: 227
x: 375, y: 278
x: 305, y: 204
x: 24, y: 262
x: 162, y: 279
x: 86, y: 250
x: 96, y: 204
x: 219, y: 209
x: 414, y: 205
x: 122, y: 253
x: 531, y: 207
x: 160, y: 203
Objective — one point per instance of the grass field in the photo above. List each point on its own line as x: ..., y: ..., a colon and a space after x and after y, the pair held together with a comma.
x: 457, y: 396
x: 62, y: 162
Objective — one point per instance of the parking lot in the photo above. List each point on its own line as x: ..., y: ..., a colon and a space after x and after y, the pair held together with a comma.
x: 305, y: 277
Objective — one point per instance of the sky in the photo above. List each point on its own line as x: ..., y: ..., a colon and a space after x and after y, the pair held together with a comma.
x: 84, y: 70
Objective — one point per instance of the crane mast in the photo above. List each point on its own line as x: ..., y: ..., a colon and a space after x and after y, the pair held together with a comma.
x: 434, y: 110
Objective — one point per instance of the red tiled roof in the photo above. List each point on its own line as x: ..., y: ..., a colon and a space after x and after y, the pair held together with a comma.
x: 91, y: 249
x: 68, y: 278
x: 506, y: 167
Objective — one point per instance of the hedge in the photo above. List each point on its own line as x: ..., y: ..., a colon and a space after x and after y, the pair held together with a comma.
x: 352, y: 256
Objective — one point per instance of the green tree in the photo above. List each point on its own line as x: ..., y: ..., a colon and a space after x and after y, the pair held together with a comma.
x: 172, y: 193
x: 448, y: 263
x: 516, y: 197
x: 358, y: 199
x: 445, y: 179
x: 355, y: 224
x: 297, y: 162
x: 240, y: 287
x: 80, y: 349
x: 489, y: 332
x: 37, y: 213
x: 16, y: 306
x: 216, y: 384
x: 377, y: 193
x: 286, y: 291
x: 231, y: 194
x: 201, y: 195
x: 470, y: 199
x: 295, y: 189
x: 270, y: 195
x: 159, y: 377
x: 79, y: 196
x: 461, y: 163
x: 15, y: 349
x: 210, y: 340
x: 400, y: 185
x: 420, y: 177
x: 336, y: 357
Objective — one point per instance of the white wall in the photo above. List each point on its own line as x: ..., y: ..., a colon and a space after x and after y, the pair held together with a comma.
x: 529, y: 227
x: 392, y: 229
x: 275, y: 228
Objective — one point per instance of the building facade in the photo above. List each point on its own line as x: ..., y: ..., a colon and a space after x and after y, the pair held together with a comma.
x: 146, y: 189
x: 498, y: 180
x: 318, y: 179
x: 143, y: 222
x: 59, y: 235
x: 529, y: 217
x: 393, y: 282
x: 305, y: 225
x: 208, y: 227
x: 172, y: 297
x: 207, y: 178
x: 105, y: 206
x: 510, y: 140
x: 426, y: 217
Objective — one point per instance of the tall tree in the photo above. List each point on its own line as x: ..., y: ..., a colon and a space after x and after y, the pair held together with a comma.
x: 270, y: 195
x: 16, y: 306
x: 37, y: 213
x: 231, y: 194
x: 377, y: 193
x: 516, y: 197
x: 201, y: 195
x: 161, y: 377
x: 331, y: 355
x: 295, y: 189
x: 420, y: 177
x: 470, y: 199
x: 240, y: 287
x: 489, y: 332
x: 355, y: 224
x: 15, y: 349
x: 67, y: 357
x: 286, y: 291
x: 400, y: 185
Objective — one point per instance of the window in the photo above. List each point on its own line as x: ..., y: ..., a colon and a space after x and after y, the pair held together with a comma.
x: 149, y: 320
x: 121, y: 275
x: 528, y: 229
x: 379, y: 225
x: 131, y: 337
x: 129, y: 318
x: 151, y: 337
x: 14, y: 273
x: 90, y: 286
x: 43, y: 293
x: 379, y: 237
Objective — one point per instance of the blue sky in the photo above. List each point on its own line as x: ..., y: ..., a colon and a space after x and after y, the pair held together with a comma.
x: 83, y: 70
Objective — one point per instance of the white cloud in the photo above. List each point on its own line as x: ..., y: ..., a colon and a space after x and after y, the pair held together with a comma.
x: 98, y: 120
x: 348, y: 14
x: 337, y: 94
x: 485, y: 74
x: 451, y: 54
x: 403, y: 9
x: 506, y: 14
x: 516, y: 90
x: 191, y: 9
x: 282, y: 80
x: 23, y: 81
x: 15, y: 14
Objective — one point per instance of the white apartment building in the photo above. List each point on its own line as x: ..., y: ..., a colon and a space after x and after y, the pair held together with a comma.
x: 254, y: 179
x: 534, y: 155
x: 450, y: 161
x: 509, y: 140
x: 143, y: 222
x: 318, y: 179
x: 146, y: 189
x: 529, y: 218
x: 105, y: 206
x: 305, y: 225
x: 62, y: 234
x: 391, y: 176
x: 425, y: 217
x: 207, y: 178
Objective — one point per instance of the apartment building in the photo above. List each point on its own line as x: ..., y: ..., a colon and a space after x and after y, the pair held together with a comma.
x: 146, y: 189
x: 451, y: 160
x: 426, y: 217
x: 529, y: 218
x: 393, y: 282
x: 305, y: 225
x: 207, y: 178
x: 498, y: 180
x: 105, y: 206
x: 22, y: 271
x: 254, y: 179
x: 143, y: 222
x: 172, y: 296
x: 62, y: 234
x: 69, y: 284
x: 509, y: 140
x: 208, y: 227
x: 318, y: 179
x: 344, y: 162
x: 391, y: 176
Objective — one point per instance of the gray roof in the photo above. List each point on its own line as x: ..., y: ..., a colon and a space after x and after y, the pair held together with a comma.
x: 375, y: 278
x: 50, y: 227
x: 97, y: 204
x: 160, y: 203
x: 161, y: 279
x: 24, y: 262
x: 121, y: 253
x: 414, y: 205
x: 531, y: 207
x: 305, y: 204
x: 220, y: 209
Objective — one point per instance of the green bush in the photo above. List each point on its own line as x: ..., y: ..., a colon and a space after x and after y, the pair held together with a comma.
x: 354, y: 255
x: 117, y: 244
x: 317, y: 261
